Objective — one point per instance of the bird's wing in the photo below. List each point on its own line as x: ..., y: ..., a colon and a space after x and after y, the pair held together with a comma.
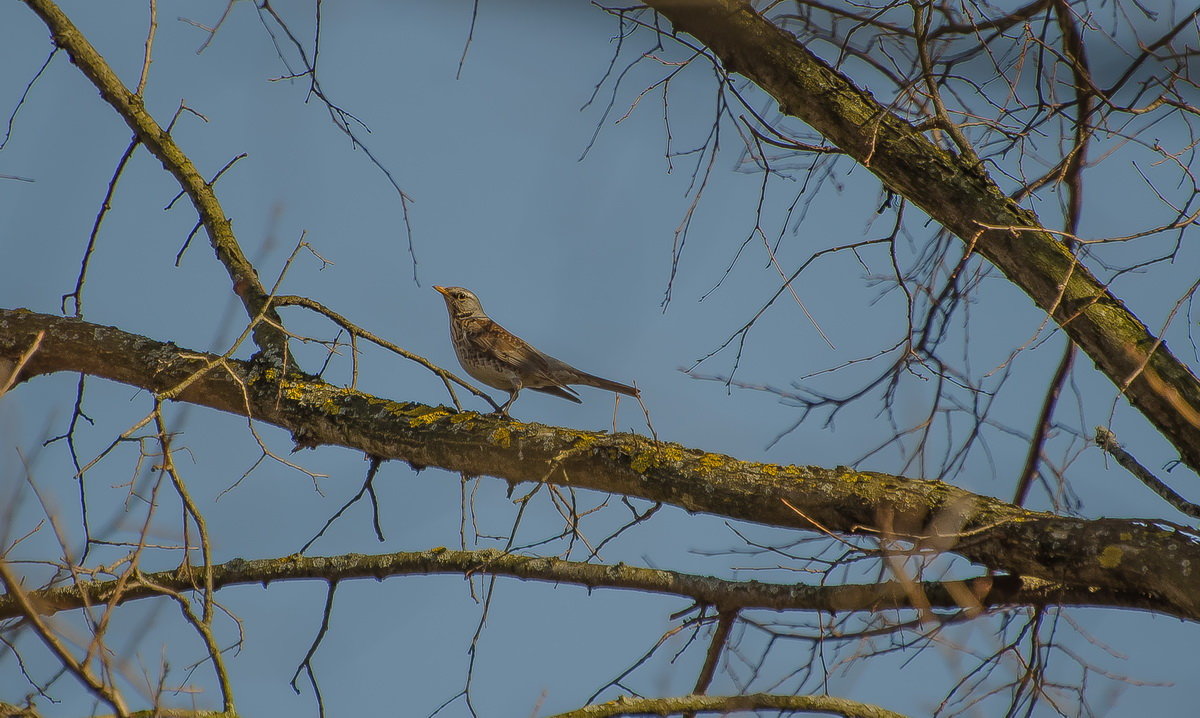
x: 497, y: 341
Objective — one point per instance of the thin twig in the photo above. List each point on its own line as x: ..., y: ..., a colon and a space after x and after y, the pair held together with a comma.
x: 1107, y: 441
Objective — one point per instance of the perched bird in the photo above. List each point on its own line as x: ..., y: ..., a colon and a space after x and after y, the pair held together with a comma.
x: 496, y: 357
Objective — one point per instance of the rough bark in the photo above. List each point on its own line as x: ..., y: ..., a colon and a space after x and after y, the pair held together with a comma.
x: 1149, y: 560
x: 132, y: 109
x: 986, y: 592
x: 959, y: 195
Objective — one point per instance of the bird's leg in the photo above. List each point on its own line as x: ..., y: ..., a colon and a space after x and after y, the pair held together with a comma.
x: 512, y: 396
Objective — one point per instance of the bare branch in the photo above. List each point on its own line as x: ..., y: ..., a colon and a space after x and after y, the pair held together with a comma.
x: 956, y: 193
x: 130, y: 107
x: 724, y: 705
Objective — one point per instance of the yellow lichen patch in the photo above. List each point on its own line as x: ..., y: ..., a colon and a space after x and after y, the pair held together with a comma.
x: 400, y: 408
x: 1111, y: 556
x: 669, y: 453
x: 427, y: 418
x: 642, y: 461
x: 462, y: 416
x: 293, y: 391
x: 500, y: 437
x: 659, y: 455
x: 583, y: 442
x: 322, y: 396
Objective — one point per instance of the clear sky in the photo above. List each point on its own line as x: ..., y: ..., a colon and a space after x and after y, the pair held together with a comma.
x: 572, y: 254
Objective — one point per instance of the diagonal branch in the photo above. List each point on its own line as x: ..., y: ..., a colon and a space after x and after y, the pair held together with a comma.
x: 25, y: 604
x: 1107, y: 441
x: 958, y: 194
x: 132, y: 109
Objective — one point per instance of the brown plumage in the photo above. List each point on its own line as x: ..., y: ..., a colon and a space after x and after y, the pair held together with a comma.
x: 502, y: 360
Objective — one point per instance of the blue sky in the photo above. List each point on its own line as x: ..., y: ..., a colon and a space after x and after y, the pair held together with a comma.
x: 573, y: 255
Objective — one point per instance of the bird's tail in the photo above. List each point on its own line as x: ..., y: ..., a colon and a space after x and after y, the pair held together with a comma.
x: 606, y: 384
x: 563, y: 392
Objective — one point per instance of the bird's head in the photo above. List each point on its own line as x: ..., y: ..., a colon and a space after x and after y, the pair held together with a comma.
x: 461, y: 302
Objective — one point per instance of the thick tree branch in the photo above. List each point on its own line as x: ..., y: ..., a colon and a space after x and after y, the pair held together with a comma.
x: 132, y: 109
x: 958, y: 194
x: 1152, y: 558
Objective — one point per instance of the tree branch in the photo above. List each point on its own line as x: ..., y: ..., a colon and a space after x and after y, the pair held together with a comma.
x: 132, y: 109
x: 1107, y: 441
x: 629, y: 706
x: 728, y: 596
x: 959, y: 195
x: 1150, y: 558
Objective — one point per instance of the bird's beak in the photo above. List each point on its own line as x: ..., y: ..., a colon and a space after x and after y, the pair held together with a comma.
x: 441, y: 290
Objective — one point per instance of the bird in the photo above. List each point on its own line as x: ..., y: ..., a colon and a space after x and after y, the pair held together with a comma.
x: 502, y: 360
